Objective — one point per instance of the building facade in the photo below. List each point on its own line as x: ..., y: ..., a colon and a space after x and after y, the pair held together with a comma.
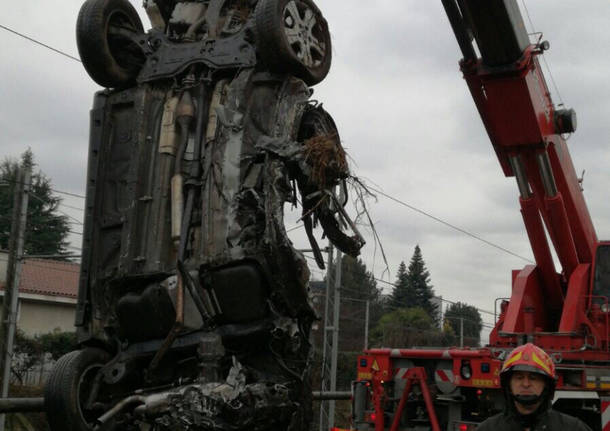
x: 47, y: 295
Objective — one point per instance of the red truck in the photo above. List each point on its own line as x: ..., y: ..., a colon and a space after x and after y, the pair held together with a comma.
x: 563, y: 310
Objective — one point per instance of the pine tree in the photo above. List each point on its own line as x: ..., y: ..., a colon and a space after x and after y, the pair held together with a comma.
x: 46, y: 230
x: 418, y: 280
x: 403, y: 294
x: 358, y: 280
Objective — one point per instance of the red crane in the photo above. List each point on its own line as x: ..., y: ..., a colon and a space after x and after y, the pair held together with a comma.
x: 562, y: 309
x: 566, y: 309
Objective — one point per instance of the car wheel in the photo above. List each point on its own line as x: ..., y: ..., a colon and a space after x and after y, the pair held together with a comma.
x: 109, y: 55
x: 323, y: 148
x: 67, y: 392
x: 292, y: 37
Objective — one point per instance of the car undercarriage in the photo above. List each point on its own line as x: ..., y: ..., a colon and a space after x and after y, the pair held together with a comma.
x: 193, y: 309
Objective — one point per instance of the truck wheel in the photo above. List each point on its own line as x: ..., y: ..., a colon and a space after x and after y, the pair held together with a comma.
x: 293, y: 37
x: 102, y: 36
x: 67, y: 391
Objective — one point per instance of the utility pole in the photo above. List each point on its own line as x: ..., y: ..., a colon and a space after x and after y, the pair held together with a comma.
x: 11, y: 292
x: 461, y: 332
x: 331, y: 339
x: 335, y: 349
x: 333, y: 306
x: 325, y: 373
x: 366, y: 325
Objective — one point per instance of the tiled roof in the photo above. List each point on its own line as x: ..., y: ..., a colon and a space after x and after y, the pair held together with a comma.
x: 49, y: 277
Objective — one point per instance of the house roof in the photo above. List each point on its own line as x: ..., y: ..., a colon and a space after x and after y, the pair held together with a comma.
x: 49, y: 277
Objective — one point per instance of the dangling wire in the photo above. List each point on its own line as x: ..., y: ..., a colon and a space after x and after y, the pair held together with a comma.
x: 362, y: 191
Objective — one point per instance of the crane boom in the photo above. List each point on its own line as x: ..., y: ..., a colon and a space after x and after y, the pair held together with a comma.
x: 565, y: 311
x: 502, y: 71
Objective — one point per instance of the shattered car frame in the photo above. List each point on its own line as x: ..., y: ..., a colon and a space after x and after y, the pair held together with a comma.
x: 193, y: 310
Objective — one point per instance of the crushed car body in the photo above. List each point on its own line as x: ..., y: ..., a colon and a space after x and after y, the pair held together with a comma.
x: 193, y: 310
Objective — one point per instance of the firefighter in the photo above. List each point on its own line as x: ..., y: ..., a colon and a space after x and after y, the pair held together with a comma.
x: 528, y: 382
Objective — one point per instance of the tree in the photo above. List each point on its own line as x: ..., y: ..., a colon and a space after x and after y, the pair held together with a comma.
x: 418, y: 279
x: 46, y: 230
x: 357, y: 280
x: 403, y: 294
x: 471, y: 318
x: 407, y: 327
x: 30, y: 352
x: 358, y: 286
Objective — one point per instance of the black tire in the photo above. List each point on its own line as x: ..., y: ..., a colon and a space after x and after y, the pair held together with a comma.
x: 288, y: 44
x: 111, y: 61
x: 68, y: 389
x: 317, y: 122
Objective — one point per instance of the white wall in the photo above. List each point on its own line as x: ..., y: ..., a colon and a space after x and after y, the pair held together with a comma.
x: 37, y: 318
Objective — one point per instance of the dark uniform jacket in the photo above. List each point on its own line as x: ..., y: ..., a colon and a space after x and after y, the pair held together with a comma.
x: 550, y: 420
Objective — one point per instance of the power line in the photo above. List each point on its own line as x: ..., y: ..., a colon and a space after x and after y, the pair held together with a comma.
x: 343, y: 288
x: 76, y: 221
x: 376, y: 190
x: 439, y: 220
x: 395, y: 307
x: 393, y: 285
x: 485, y: 324
x: 69, y: 194
x: 432, y: 332
x: 34, y: 195
x: 53, y: 190
x: 453, y: 303
x: 40, y: 43
x: 298, y: 226
x: 470, y: 234
x: 411, y: 207
x: 71, y: 207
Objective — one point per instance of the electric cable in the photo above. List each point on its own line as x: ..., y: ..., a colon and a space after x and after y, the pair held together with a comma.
x: 52, y: 189
x: 377, y: 191
x: 393, y: 285
x: 470, y: 234
x: 71, y: 207
x: 35, y: 196
x: 295, y: 228
x: 442, y: 299
x: 69, y: 194
x: 299, y: 226
x: 76, y: 221
x: 31, y: 39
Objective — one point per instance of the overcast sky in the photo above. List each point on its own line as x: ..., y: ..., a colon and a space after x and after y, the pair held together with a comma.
x: 404, y: 114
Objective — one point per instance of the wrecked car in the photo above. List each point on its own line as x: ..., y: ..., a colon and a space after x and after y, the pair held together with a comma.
x: 193, y: 309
